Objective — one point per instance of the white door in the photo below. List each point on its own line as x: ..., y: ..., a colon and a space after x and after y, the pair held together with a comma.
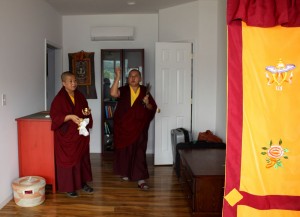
x: 173, y: 74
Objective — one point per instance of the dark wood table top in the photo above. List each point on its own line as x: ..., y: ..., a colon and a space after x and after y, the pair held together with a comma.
x: 207, y: 161
x: 43, y: 115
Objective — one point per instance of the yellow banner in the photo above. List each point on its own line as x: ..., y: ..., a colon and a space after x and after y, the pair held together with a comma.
x: 271, y: 111
x: 244, y: 211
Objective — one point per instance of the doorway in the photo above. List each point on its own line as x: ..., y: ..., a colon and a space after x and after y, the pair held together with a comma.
x: 52, y: 71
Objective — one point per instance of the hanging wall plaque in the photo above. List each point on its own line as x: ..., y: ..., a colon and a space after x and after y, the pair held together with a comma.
x: 81, y: 64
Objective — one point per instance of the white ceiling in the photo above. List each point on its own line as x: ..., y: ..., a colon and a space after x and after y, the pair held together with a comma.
x: 88, y: 7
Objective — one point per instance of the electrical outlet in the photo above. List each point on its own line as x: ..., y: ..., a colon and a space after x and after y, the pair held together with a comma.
x: 3, y: 99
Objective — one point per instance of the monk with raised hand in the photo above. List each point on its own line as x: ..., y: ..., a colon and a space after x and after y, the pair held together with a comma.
x: 134, y: 112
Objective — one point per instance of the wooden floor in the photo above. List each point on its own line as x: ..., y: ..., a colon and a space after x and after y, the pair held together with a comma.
x: 113, y: 197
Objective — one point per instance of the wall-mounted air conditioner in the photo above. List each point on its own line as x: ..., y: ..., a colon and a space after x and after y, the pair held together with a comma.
x: 112, y: 33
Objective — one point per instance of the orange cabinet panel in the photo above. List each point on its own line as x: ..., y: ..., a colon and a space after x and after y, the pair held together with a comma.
x: 36, y: 147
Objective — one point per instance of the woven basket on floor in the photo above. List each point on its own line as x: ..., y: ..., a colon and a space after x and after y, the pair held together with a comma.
x: 29, y: 191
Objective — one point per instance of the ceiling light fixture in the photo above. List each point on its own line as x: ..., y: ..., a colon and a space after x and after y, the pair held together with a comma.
x: 131, y: 3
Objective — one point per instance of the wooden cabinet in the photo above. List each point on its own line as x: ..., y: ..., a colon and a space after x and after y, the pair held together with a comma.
x: 126, y: 59
x: 202, y: 179
x: 36, y: 147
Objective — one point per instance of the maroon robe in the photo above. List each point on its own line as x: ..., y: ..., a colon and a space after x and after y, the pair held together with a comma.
x: 72, y: 152
x: 131, y: 124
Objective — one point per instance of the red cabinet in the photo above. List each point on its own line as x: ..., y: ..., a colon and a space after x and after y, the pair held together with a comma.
x: 36, y: 147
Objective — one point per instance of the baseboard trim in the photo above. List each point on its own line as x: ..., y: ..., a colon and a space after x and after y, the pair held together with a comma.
x: 4, y: 202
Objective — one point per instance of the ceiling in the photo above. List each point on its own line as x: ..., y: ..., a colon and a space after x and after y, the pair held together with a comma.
x: 89, y: 7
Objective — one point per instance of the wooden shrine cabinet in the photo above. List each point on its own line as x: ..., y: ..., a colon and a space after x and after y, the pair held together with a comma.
x: 126, y: 59
x: 36, y: 147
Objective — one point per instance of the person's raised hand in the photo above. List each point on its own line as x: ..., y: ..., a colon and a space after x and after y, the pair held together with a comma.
x: 118, y: 72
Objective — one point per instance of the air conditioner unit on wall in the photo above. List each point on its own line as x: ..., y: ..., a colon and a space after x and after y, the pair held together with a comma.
x: 112, y: 33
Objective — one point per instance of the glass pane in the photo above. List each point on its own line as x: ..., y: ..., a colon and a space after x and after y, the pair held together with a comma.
x: 110, y: 60
x: 109, y: 71
x: 132, y: 60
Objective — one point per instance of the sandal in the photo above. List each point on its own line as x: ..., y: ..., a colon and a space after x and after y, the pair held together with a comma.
x: 87, y: 189
x: 143, y: 186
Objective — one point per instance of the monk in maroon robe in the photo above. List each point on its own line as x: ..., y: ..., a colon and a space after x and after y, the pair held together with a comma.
x: 135, y: 110
x: 72, y: 152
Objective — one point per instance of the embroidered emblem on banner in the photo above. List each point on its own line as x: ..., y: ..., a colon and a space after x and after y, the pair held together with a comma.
x: 274, y: 153
x: 279, y: 74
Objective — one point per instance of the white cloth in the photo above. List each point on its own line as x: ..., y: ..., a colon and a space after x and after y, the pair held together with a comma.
x: 82, y: 127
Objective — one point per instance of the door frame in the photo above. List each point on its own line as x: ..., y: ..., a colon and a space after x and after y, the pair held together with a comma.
x: 57, y: 61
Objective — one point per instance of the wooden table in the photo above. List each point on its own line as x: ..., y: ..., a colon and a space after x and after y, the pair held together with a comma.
x: 202, y: 178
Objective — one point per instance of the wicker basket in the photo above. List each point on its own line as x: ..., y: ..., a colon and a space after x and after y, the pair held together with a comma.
x: 29, y: 191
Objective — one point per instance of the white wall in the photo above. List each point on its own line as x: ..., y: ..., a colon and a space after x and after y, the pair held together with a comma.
x: 221, y: 103
x: 24, y: 27
x: 76, y: 37
x: 198, y: 22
